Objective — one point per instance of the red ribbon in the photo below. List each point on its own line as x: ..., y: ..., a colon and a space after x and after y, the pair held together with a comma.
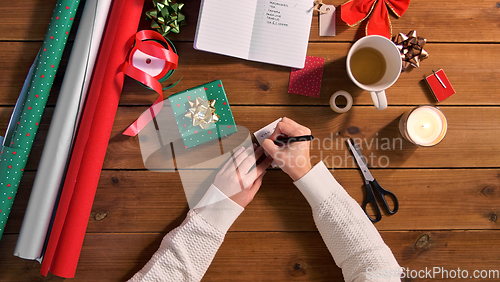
x: 147, y: 41
x: 355, y: 11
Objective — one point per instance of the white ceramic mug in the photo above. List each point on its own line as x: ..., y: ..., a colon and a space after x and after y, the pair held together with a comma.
x: 393, y: 61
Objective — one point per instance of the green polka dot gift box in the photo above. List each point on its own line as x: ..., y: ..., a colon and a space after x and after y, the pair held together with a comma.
x: 202, y: 114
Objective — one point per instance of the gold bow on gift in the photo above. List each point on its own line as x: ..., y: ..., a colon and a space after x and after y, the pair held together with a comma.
x: 166, y: 17
x: 202, y: 112
x: 412, y: 49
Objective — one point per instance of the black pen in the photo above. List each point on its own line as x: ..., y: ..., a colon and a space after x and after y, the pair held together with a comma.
x: 287, y: 140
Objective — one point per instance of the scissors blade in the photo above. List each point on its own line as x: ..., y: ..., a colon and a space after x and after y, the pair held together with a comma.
x: 359, y: 159
x: 356, y: 147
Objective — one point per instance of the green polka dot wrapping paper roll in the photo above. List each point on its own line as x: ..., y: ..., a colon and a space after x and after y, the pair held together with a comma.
x: 14, y: 155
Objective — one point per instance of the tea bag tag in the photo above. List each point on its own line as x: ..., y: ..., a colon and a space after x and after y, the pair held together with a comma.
x: 327, y: 20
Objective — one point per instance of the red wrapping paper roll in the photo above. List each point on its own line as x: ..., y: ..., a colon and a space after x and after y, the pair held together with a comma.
x: 70, y: 223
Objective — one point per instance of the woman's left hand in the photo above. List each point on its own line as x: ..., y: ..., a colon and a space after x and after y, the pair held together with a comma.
x: 240, y: 178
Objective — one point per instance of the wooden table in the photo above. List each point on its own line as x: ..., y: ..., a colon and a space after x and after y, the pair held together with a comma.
x: 449, y: 194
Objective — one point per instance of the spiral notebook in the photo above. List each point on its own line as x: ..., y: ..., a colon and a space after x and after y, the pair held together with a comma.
x: 275, y: 32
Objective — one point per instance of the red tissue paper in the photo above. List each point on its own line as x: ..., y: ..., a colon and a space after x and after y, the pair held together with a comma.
x: 307, y: 81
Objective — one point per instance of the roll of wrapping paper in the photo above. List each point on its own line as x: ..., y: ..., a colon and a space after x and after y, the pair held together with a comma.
x: 62, y: 129
x: 14, y: 154
x: 75, y: 204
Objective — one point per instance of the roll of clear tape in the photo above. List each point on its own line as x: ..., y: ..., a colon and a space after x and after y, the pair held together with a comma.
x: 347, y: 97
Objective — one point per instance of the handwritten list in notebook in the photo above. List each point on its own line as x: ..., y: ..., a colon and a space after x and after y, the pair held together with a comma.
x: 275, y: 32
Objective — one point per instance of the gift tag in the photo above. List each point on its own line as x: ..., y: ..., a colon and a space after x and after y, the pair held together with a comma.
x: 327, y: 20
x: 264, y: 133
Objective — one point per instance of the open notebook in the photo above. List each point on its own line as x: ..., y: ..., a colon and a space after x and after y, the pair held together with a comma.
x: 275, y: 32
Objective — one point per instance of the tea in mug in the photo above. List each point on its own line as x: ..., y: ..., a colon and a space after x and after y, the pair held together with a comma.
x: 368, y: 65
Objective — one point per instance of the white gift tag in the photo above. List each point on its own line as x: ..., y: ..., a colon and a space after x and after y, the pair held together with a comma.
x: 327, y: 20
x: 264, y: 133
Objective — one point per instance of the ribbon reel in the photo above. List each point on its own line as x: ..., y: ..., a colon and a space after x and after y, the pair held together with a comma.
x: 151, y: 61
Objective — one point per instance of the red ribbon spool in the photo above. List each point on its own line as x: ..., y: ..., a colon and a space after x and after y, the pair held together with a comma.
x: 148, y: 47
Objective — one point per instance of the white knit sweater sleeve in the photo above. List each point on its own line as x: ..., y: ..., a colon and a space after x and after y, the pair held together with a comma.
x: 187, y: 251
x: 351, y: 238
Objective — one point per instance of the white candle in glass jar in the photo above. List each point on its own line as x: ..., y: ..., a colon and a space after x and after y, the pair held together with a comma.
x: 424, y: 125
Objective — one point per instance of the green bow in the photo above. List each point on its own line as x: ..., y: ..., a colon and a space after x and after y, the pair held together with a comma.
x: 166, y: 17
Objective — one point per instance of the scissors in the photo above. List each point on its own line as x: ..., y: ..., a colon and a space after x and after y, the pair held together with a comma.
x: 372, y: 184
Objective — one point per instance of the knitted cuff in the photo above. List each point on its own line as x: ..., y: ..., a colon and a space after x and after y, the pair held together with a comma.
x: 217, y: 209
x: 318, y: 184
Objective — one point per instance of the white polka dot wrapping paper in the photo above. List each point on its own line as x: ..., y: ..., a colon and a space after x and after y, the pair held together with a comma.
x: 16, y: 149
x: 54, y: 159
x: 307, y: 81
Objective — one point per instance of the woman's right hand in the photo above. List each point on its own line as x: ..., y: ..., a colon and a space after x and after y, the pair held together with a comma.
x: 293, y: 158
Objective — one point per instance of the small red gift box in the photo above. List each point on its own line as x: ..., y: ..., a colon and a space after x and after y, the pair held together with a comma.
x: 440, y: 85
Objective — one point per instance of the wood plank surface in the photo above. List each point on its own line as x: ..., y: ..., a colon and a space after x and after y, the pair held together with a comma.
x: 146, y: 201
x: 372, y: 126
x: 438, y: 21
x: 267, y: 256
x: 22, y: 20
x: 377, y: 130
x: 449, y: 194
x: 251, y: 83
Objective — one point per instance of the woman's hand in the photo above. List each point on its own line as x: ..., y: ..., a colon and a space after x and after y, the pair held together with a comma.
x: 293, y: 158
x: 240, y: 178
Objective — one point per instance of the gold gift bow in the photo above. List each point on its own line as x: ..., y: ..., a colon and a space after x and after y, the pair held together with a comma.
x: 202, y: 112
x: 412, y: 49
